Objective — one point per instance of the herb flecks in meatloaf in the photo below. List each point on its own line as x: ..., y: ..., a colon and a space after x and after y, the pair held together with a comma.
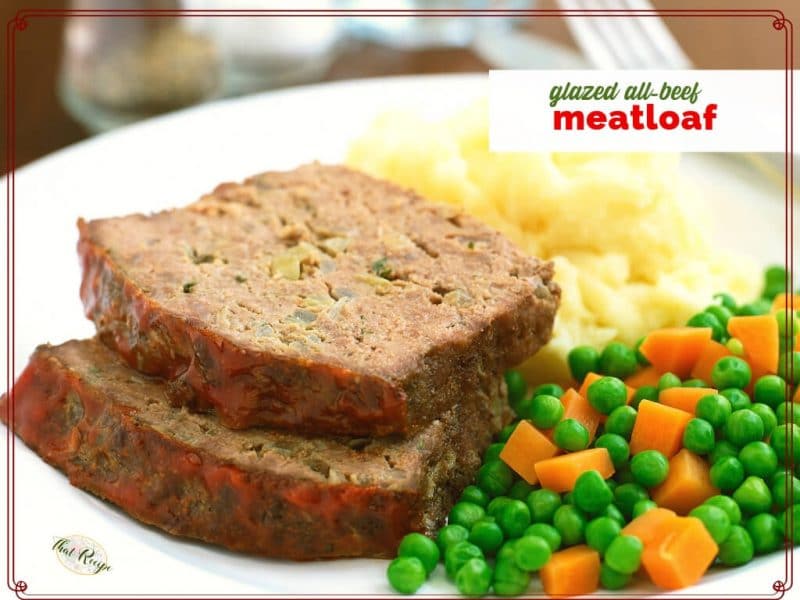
x: 114, y: 433
x: 318, y: 299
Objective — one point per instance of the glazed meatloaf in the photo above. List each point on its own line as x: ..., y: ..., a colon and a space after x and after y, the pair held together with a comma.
x: 266, y: 492
x: 317, y: 299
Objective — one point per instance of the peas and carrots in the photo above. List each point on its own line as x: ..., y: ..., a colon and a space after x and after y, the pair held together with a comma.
x: 563, y: 490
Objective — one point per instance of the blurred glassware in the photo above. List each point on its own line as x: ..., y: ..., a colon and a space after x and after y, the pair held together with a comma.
x: 116, y: 70
x: 413, y: 32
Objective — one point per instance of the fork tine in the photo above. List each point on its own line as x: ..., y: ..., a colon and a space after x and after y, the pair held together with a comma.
x: 592, y: 44
x: 661, y: 38
x: 631, y: 41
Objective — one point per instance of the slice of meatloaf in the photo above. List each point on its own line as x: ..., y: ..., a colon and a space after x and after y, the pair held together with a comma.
x: 266, y: 492
x: 318, y: 299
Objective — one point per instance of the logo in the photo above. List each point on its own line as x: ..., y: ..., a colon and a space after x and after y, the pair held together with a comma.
x: 81, y: 554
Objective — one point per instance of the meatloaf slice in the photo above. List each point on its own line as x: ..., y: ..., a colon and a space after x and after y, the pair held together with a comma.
x: 317, y: 299
x: 267, y: 492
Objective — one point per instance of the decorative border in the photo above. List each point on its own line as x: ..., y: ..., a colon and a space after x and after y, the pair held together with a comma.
x: 20, y: 23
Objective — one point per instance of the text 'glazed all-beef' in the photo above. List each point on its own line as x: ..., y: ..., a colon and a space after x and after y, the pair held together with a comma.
x: 355, y: 333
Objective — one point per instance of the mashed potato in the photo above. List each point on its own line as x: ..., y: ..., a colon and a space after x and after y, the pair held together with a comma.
x: 631, y: 248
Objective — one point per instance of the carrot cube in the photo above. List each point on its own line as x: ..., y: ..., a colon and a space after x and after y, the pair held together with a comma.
x: 688, y: 483
x: 675, y: 349
x: 659, y: 427
x: 711, y: 353
x: 560, y: 473
x: 682, y: 557
x: 524, y: 448
x: 577, y: 407
x: 759, y: 336
x: 571, y: 572
x: 682, y: 398
x: 652, y: 526
x: 646, y: 376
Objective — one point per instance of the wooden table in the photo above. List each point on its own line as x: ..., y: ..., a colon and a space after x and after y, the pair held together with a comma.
x: 42, y: 124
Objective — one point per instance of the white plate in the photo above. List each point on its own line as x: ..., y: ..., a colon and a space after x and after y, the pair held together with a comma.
x: 171, y: 161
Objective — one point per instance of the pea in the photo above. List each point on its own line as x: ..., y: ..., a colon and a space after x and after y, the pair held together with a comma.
x: 767, y: 416
x: 496, y: 504
x: 627, y: 495
x: 753, y: 496
x: 649, y: 468
x: 421, y: 547
x: 789, y: 523
x: 789, y: 366
x: 727, y: 473
x: 624, y: 554
x: 617, y: 448
x: 758, y: 459
x: 668, y: 380
x: 465, y: 514
x: 785, y: 439
x: 571, y: 435
x: 759, y: 307
x: 699, y: 436
x: 738, y: 398
x: 520, y: 490
x: 545, y: 411
x: 714, y: 408
x: 549, y: 389
x: 642, y: 506
x: 514, y: 518
x: 787, y: 413
x: 457, y: 555
x: 705, y: 319
x: 774, y: 281
x: 723, y: 449
x: 788, y: 323
x: 737, y: 549
x: 716, y: 521
x: 613, y: 512
x: 744, y: 427
x: 495, y: 478
x: 583, y: 360
x: 406, y: 574
x: 735, y: 346
x: 624, y: 475
x: 600, y: 532
x: 487, y: 536
x: 570, y: 523
x: 509, y: 579
x: 640, y: 358
x: 784, y: 484
x: 722, y: 313
x: 591, y: 493
x: 646, y: 392
x: 765, y: 533
x: 727, y: 504
x: 531, y: 552
x: 517, y: 387
x: 730, y: 372
x: 694, y: 383
x: 547, y: 532
x: 506, y: 431
x: 770, y: 390
x: 617, y: 360
x: 611, y: 579
x: 621, y: 421
x: 474, y: 578
x: 451, y: 534
x: 493, y: 452
x: 726, y: 300
x: 542, y: 505
x: 475, y: 495
x: 606, y: 394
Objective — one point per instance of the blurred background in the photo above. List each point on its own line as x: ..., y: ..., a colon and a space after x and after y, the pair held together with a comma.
x: 78, y: 77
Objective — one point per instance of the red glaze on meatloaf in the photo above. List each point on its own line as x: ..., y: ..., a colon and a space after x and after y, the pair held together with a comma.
x: 272, y: 493
x: 318, y: 299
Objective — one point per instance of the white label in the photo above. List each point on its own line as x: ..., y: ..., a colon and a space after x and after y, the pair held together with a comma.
x: 650, y: 110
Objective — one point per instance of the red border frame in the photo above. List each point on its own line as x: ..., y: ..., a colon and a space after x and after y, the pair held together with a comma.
x: 19, y: 23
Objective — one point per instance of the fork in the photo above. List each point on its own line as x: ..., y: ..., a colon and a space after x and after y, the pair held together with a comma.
x: 624, y: 43
x: 645, y: 43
